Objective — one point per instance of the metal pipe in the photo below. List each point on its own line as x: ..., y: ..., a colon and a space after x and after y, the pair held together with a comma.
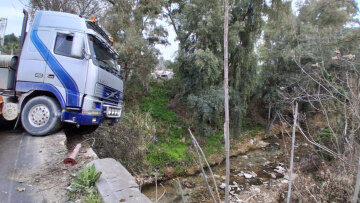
x: 71, y: 159
x: 23, y: 30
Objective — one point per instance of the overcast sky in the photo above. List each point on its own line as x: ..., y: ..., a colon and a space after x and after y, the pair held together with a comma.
x: 12, y: 10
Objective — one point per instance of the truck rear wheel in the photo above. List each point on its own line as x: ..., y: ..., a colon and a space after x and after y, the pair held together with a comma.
x: 41, y: 116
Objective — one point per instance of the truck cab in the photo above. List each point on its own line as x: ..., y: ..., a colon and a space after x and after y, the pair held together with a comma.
x: 67, y: 72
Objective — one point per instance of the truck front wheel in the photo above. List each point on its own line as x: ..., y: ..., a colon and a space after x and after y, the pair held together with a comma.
x: 41, y: 116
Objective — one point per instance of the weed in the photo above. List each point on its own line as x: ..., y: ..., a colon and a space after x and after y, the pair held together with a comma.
x: 324, y: 134
x: 179, y: 170
x: 93, y: 197
x: 169, y: 149
x: 214, y: 144
x: 86, y: 178
x: 156, y: 104
x: 83, y: 185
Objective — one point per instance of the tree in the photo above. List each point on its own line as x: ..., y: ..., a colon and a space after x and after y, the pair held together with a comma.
x: 80, y: 7
x: 134, y: 27
x: 198, y: 26
x: 312, y: 58
x: 11, y: 44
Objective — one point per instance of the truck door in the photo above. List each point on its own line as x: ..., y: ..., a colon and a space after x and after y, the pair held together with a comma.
x: 65, y: 72
x: 32, y: 61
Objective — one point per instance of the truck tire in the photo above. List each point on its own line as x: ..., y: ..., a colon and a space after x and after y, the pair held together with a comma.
x: 41, y: 116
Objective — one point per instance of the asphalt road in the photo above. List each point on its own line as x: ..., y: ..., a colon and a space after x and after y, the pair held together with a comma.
x: 18, y: 151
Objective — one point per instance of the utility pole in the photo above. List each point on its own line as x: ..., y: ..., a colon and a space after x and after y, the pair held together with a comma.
x: 3, y: 23
x: 226, y: 102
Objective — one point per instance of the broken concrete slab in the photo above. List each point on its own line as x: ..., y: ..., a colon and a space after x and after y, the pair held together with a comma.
x: 116, y: 184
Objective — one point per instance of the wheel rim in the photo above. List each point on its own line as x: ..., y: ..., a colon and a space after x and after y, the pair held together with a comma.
x: 39, y: 115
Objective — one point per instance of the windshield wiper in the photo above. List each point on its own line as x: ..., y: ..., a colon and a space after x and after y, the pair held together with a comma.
x: 109, y: 69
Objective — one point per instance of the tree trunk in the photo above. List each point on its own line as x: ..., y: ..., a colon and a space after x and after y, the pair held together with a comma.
x: 292, y: 152
x: 357, y: 186
x: 226, y: 105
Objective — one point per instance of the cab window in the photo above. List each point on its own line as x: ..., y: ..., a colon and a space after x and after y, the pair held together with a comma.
x: 63, y: 44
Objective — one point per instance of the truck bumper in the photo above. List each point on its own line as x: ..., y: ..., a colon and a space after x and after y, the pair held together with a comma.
x: 81, y: 119
x: 93, y: 112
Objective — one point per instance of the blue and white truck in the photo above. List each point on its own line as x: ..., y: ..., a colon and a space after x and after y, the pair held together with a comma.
x: 66, y: 72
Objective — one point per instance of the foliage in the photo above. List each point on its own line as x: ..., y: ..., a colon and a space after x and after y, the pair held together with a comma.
x: 199, y: 64
x: 93, y: 197
x: 83, y: 185
x: 170, y: 147
x: 133, y: 25
x: 311, y: 58
x: 128, y: 141
x: 156, y: 103
x: 86, y: 178
x: 148, y: 137
x: 11, y: 45
x: 214, y: 144
x: 80, y: 7
x: 324, y: 135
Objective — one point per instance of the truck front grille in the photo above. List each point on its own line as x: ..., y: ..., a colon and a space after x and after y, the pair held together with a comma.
x: 107, y: 93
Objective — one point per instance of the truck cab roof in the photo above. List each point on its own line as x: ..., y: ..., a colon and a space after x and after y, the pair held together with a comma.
x: 68, y: 21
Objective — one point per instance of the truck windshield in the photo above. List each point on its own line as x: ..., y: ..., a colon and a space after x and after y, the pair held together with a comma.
x: 103, y: 56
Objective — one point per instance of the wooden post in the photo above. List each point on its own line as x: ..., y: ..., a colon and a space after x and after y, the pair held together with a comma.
x: 226, y: 102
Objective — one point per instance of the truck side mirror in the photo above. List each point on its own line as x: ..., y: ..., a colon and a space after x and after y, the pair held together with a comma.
x: 77, y: 46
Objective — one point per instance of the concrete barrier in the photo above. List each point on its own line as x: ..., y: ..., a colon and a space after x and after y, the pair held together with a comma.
x: 116, y: 184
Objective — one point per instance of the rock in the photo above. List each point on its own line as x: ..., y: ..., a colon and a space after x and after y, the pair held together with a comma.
x: 169, y: 172
x: 266, y: 163
x: 245, y: 157
x: 183, y: 140
x: 222, y: 185
x: 247, y: 175
x: 20, y: 189
x: 279, y: 169
x: 284, y: 181
x: 188, y: 184
x: 261, y: 144
x: 253, y: 174
x: 273, y: 175
x: 223, y: 177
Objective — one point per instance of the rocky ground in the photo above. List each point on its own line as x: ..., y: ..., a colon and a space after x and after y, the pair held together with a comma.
x: 50, y: 178
x: 257, y: 175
